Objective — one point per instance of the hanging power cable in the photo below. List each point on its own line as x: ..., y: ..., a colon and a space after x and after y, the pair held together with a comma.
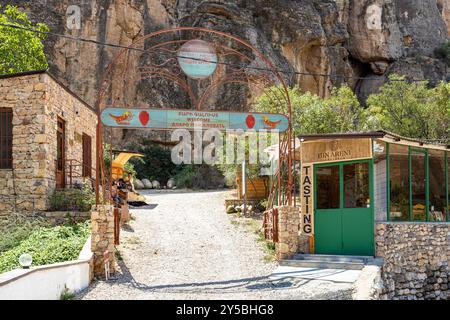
x: 79, y: 39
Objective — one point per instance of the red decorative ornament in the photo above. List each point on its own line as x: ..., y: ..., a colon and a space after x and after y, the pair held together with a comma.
x: 144, y: 117
x: 250, y: 121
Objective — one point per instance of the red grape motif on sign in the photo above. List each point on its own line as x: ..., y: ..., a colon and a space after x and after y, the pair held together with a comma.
x: 144, y: 117
x: 250, y: 121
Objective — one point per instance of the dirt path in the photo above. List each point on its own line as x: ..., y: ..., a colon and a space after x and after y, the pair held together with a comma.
x: 183, y: 246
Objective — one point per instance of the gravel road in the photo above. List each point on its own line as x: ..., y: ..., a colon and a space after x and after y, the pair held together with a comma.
x: 184, y: 246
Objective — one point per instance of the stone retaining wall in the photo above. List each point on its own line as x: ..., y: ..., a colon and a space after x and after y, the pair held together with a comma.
x: 416, y: 260
x: 62, y: 217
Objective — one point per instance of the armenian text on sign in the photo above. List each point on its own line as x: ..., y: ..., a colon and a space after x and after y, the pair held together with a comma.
x: 190, y: 119
x: 307, y: 216
x: 317, y: 151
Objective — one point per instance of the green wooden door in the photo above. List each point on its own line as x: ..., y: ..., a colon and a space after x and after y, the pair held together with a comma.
x: 343, y: 218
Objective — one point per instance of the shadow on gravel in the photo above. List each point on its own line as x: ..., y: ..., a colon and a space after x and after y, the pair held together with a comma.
x: 150, y: 192
x: 127, y: 227
x: 146, y: 207
x: 252, y: 283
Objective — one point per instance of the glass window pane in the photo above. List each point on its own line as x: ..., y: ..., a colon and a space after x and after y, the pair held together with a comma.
x: 380, y: 180
x: 436, y: 174
x: 327, y: 179
x: 399, y: 182
x: 356, y: 185
x: 418, y: 188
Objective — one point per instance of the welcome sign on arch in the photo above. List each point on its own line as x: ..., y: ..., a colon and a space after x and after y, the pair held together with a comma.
x: 197, y: 63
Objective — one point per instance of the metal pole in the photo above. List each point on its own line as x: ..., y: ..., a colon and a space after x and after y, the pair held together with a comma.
x: 244, y: 185
x: 99, y: 153
x: 110, y: 167
x: 70, y: 172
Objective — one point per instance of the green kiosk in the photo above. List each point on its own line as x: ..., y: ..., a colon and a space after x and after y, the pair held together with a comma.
x: 351, y: 181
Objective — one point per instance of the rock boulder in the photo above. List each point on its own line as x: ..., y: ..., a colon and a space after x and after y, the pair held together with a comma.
x: 147, y: 183
x: 138, y: 185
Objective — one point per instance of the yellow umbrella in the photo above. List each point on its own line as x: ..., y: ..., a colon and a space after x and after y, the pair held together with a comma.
x: 119, y: 162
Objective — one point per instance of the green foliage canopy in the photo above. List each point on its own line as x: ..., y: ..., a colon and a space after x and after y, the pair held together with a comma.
x: 341, y: 112
x: 411, y: 109
x: 20, y: 50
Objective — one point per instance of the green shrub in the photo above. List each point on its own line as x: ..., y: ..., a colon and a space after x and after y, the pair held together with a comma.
x: 443, y: 52
x: 184, y: 178
x: 201, y: 176
x: 16, y: 227
x: 48, y: 245
x: 66, y: 294
x: 72, y: 199
x: 155, y: 165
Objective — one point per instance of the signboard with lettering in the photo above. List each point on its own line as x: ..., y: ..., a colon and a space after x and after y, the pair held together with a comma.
x: 307, y: 199
x: 317, y: 151
x: 197, y: 59
x: 189, y: 119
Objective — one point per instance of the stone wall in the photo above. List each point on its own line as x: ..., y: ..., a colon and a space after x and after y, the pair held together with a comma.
x: 63, y: 217
x: 416, y: 260
x: 79, y: 119
x: 102, y: 224
x: 36, y: 101
x: 288, y: 228
x: 23, y: 187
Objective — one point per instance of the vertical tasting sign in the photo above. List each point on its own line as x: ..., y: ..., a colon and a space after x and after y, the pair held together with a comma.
x: 307, y: 198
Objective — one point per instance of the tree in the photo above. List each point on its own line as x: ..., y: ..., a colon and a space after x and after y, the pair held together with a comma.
x: 20, y: 50
x: 341, y: 112
x: 411, y: 109
x: 439, y: 113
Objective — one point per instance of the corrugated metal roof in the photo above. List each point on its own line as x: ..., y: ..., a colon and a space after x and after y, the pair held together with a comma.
x: 345, y: 135
x: 369, y: 134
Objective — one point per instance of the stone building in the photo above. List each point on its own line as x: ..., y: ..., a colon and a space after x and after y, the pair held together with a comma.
x: 47, y: 140
x: 375, y: 194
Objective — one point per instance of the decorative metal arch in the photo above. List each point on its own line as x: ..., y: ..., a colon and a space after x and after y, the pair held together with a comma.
x: 238, y: 63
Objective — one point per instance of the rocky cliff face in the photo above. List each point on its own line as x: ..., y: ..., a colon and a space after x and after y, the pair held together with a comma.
x: 351, y: 38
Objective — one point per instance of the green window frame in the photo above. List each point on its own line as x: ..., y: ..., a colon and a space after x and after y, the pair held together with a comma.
x: 446, y: 187
x: 411, y: 151
x: 427, y: 187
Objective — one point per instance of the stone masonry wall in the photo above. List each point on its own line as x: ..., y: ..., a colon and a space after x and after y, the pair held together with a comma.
x: 36, y: 101
x: 25, y: 187
x: 78, y: 118
x: 416, y: 260
x: 102, y: 223
x: 288, y: 227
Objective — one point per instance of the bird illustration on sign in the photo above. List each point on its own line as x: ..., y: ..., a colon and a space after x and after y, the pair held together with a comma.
x: 122, y: 119
x: 270, y: 124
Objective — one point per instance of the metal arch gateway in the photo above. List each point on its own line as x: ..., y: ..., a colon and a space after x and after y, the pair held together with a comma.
x: 184, y: 44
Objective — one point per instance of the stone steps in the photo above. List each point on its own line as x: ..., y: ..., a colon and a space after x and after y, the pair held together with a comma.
x: 327, y: 261
x: 333, y: 258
